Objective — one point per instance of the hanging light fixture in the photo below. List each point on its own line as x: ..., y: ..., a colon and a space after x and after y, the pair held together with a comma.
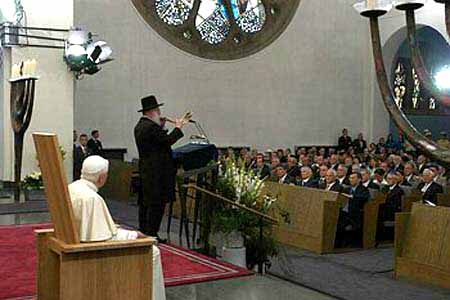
x: 83, y: 55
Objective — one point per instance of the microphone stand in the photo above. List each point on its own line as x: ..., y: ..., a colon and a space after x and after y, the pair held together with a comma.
x: 201, y: 131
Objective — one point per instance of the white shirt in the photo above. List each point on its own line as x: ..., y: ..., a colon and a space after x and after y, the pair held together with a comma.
x: 366, y: 184
x: 426, y: 186
x: 329, y: 186
x: 282, y: 179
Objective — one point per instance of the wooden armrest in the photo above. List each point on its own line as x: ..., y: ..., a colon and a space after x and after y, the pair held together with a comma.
x: 61, y: 247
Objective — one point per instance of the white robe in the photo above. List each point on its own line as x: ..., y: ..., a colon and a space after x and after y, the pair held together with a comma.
x: 95, y: 224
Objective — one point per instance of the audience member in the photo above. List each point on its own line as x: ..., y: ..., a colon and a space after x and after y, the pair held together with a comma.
x: 94, y: 144
x: 307, y: 179
x: 344, y: 141
x: 429, y: 188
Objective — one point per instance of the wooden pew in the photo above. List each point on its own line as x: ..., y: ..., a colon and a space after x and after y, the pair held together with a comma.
x: 422, y: 246
x: 68, y: 269
x: 411, y: 196
x: 371, y: 209
x: 313, y: 213
x: 443, y: 200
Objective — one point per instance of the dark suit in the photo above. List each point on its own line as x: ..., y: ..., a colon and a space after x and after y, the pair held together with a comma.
x: 263, y: 172
x: 431, y: 193
x: 78, y: 157
x: 344, y: 142
x: 95, y: 147
x: 311, y: 183
x: 286, y: 180
x: 294, y: 172
x: 393, y: 203
x: 353, y: 216
x: 336, y: 187
x: 345, y: 181
x: 157, y: 172
x: 373, y: 185
x: 359, y: 145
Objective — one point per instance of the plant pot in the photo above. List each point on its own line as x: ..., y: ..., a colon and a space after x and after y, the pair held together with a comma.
x: 34, y: 195
x: 235, y: 256
x: 233, y: 239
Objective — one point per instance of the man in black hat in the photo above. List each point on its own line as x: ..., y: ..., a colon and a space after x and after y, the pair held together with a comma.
x: 156, y: 166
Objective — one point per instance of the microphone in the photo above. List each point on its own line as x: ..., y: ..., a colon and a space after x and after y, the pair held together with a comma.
x: 192, y: 121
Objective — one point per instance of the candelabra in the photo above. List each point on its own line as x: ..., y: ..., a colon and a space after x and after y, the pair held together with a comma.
x: 21, y: 109
x: 374, y: 9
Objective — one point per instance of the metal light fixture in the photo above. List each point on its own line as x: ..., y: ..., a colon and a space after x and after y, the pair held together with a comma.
x: 373, y: 9
x: 83, y: 54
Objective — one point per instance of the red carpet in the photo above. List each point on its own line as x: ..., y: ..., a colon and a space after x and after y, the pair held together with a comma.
x: 18, y: 264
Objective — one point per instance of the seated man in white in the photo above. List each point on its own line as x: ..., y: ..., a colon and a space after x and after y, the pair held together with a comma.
x: 94, y: 221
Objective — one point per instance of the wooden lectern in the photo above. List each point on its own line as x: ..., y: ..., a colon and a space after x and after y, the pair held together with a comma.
x: 70, y: 270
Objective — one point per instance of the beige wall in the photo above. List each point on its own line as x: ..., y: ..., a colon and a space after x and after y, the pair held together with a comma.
x: 315, y: 79
x: 303, y: 88
x: 53, y: 109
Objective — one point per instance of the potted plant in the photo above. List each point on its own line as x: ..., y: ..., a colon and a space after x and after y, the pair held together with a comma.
x: 33, y: 185
x: 237, y: 230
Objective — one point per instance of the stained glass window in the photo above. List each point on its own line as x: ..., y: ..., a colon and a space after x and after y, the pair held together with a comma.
x: 250, y: 15
x: 212, y: 21
x: 174, y: 12
x: 218, y: 29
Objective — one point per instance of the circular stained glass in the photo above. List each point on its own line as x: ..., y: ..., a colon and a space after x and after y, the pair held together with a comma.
x: 218, y: 29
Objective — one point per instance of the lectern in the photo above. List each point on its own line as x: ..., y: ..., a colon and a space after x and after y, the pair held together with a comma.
x: 68, y: 269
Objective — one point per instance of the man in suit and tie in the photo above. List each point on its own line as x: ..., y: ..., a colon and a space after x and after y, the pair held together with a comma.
x: 409, y: 173
x: 80, y: 153
x: 429, y: 188
x: 342, y: 175
x: 156, y: 164
x: 359, y: 144
x: 281, y: 174
x: 351, y: 217
x: 307, y: 179
x: 322, y: 183
x: 392, y: 205
x: 333, y: 161
x: 331, y: 182
x: 293, y: 168
x: 366, y: 181
x: 344, y: 141
x: 94, y: 144
x: 261, y: 169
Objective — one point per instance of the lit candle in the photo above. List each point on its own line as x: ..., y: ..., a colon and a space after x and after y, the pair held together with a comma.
x: 371, y: 4
x: 15, y: 71
x: 33, y: 64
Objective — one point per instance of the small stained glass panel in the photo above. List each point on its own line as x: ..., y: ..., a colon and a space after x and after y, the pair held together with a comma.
x: 174, y: 12
x: 212, y: 21
x: 250, y: 15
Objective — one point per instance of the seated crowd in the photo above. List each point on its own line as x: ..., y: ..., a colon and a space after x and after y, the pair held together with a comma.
x: 356, y: 169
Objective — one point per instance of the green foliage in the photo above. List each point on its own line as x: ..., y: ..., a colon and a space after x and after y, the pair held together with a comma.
x: 241, y: 185
x: 33, y: 181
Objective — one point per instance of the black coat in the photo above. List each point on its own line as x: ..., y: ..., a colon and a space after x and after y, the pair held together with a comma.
x: 372, y: 185
x: 78, y: 158
x: 393, y: 203
x: 356, y: 203
x: 156, y: 165
x: 95, y: 147
x: 263, y: 172
x: 432, y: 192
x: 336, y: 187
x: 344, y: 142
x: 311, y: 183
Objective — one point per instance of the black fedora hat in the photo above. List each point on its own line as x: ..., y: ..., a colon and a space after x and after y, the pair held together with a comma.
x: 149, y: 103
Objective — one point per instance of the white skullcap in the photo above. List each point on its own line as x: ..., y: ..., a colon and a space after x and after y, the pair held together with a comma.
x: 94, y: 164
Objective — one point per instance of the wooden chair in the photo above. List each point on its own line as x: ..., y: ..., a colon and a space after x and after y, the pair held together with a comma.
x: 68, y: 269
x: 422, y: 246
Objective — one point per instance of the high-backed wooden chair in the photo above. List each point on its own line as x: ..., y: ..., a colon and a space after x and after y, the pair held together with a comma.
x: 68, y: 269
x: 422, y: 245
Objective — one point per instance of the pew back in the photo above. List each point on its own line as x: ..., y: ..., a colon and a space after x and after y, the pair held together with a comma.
x: 423, y: 245
x: 313, y: 214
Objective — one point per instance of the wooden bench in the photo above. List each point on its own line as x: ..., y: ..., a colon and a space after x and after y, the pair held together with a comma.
x: 70, y: 270
x: 313, y: 214
x: 422, y: 245
x: 314, y: 217
x: 443, y: 200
